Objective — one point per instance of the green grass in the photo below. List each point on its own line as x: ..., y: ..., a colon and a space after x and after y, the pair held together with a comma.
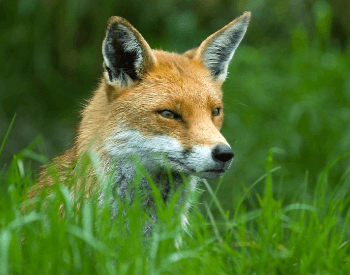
x: 261, y: 235
x: 288, y: 87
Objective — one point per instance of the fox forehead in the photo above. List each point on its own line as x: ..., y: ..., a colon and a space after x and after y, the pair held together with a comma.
x: 181, y: 85
x: 190, y: 75
x: 175, y: 79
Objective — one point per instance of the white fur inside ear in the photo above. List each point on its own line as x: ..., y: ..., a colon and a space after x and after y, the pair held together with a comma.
x: 122, y: 54
x: 131, y: 44
x: 219, y: 52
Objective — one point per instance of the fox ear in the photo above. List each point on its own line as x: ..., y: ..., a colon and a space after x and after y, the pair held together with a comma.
x: 217, y: 50
x: 127, y: 56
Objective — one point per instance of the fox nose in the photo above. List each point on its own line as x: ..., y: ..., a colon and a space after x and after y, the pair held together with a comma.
x: 222, y: 153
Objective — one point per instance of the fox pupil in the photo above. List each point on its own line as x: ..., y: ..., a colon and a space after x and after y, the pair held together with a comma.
x: 170, y: 115
x: 216, y: 112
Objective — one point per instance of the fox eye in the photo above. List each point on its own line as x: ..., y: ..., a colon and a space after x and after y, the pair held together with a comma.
x: 216, y: 112
x: 170, y: 115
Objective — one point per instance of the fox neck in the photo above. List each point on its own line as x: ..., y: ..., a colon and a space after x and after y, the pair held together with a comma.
x: 125, y: 174
x: 122, y: 187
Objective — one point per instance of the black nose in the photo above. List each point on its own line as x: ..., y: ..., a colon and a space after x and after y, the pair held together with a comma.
x: 222, y: 153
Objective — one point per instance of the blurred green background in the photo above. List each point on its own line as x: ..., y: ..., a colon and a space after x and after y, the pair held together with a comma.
x: 288, y: 86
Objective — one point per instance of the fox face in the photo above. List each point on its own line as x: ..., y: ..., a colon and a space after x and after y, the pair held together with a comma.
x: 173, y: 113
x: 161, y: 108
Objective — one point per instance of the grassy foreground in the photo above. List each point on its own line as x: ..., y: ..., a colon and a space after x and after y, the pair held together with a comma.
x: 260, y: 236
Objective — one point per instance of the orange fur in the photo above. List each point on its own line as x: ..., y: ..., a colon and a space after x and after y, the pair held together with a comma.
x: 133, y: 97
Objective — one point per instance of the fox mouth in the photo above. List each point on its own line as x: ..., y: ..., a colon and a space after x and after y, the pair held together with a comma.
x: 214, y: 171
x: 208, y: 174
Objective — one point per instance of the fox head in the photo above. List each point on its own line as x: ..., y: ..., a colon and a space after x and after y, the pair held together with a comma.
x: 157, y: 105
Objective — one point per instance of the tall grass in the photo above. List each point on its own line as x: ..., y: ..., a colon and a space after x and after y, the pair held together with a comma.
x: 308, y: 236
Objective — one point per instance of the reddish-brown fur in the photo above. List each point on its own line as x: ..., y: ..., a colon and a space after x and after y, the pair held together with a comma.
x: 169, y: 81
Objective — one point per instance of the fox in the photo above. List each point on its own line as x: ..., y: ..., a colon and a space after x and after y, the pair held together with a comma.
x: 165, y: 109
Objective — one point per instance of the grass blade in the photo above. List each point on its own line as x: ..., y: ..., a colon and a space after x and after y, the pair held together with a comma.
x: 7, y: 134
x: 5, y: 237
